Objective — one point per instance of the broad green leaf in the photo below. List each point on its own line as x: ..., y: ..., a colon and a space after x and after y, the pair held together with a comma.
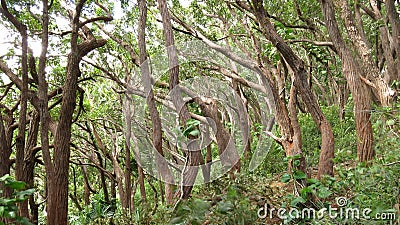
x: 285, y: 178
x: 323, y: 192
x: 296, y: 201
x: 194, y: 132
x: 4, y: 178
x: 298, y: 175
x: 27, y: 192
x: 312, y: 181
x: 17, y: 185
x: 305, y: 191
x: 224, y: 207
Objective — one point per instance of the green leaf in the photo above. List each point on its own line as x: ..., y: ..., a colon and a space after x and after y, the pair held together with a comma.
x: 24, y: 221
x: 305, y: 191
x: 231, y: 193
x: 312, y: 181
x: 22, y: 195
x: 194, y: 133
x: 390, y: 122
x: 201, y: 205
x: 192, y: 123
x: 285, y: 178
x: 4, y: 178
x: 296, y: 157
x: 296, y: 201
x: 298, y: 175
x: 224, y: 207
x: 176, y: 220
x: 323, y: 192
x: 17, y: 185
x: 27, y: 192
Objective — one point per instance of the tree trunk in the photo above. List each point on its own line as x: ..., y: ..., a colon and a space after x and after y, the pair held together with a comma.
x: 128, y: 171
x: 361, y: 92
x: 394, y: 20
x: 325, y: 166
x: 380, y: 88
x: 5, y: 153
x: 57, y: 208
x: 29, y: 164
x: 193, y: 154
x: 230, y: 158
x: 20, y: 138
x: 155, y: 117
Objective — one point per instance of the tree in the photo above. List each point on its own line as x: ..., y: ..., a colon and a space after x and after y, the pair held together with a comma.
x: 300, y: 81
x: 193, y: 154
x: 361, y: 93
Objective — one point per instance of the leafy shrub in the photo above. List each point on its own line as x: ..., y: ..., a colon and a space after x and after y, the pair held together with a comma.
x: 8, y: 205
x: 343, y: 131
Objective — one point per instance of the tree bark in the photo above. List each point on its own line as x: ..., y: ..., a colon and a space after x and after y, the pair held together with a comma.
x: 325, y: 166
x: 367, y: 66
x: 57, y: 208
x: 5, y: 150
x: 29, y: 164
x: 193, y: 154
x: 228, y: 154
x: 394, y: 20
x: 128, y: 170
x: 155, y: 117
x: 20, y: 138
x: 361, y: 93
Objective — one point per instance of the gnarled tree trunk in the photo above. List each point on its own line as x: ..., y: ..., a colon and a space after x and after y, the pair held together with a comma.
x: 361, y: 92
x: 325, y: 166
x: 193, y: 154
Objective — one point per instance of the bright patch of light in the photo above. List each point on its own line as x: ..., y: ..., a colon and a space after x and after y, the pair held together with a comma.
x: 185, y: 3
x: 118, y: 13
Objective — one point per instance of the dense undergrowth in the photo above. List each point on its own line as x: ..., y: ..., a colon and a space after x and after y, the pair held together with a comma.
x: 249, y: 198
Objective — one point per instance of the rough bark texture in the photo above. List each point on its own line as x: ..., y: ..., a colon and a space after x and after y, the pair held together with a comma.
x: 20, y: 138
x: 361, y: 93
x: 394, y: 20
x: 128, y: 173
x: 368, y: 68
x: 325, y: 166
x: 57, y: 208
x: 229, y: 156
x: 5, y: 153
x: 5, y: 149
x: 155, y: 117
x: 193, y: 155
x: 29, y: 164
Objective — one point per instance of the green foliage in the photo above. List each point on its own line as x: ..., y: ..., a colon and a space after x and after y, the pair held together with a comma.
x: 191, y: 128
x: 343, y: 130
x: 231, y: 206
x: 96, y: 212
x: 8, y: 205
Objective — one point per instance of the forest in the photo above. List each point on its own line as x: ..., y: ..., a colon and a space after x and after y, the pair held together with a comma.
x: 199, y: 112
